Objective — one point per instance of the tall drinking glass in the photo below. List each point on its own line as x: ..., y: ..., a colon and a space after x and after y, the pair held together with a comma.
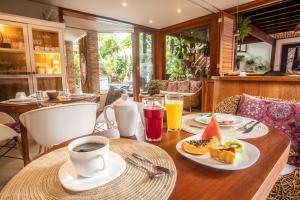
x: 153, y: 118
x: 174, y: 107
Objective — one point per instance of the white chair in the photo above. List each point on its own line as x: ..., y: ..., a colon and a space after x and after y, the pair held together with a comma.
x: 6, y: 118
x: 53, y: 125
x: 7, y: 134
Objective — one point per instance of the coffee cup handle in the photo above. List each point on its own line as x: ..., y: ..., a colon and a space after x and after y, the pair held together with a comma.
x: 105, y: 114
x: 104, y: 163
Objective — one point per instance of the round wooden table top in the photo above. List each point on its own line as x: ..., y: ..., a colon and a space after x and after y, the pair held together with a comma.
x: 195, y: 181
x: 19, y: 108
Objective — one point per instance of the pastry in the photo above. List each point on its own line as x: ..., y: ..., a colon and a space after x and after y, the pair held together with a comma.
x: 226, y: 155
x: 198, y: 147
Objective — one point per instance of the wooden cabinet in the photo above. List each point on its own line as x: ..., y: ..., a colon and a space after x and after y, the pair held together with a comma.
x: 31, y: 55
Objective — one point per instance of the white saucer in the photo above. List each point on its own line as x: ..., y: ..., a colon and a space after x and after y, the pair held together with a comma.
x: 71, y: 181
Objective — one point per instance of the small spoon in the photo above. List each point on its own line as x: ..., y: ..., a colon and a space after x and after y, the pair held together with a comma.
x: 152, y: 175
x: 156, y: 167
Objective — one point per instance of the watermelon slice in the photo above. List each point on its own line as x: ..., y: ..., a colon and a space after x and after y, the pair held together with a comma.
x: 212, y: 129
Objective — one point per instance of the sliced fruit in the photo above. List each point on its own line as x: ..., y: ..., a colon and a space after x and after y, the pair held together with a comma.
x: 199, y: 147
x: 239, y: 147
x: 212, y: 129
x: 226, y: 155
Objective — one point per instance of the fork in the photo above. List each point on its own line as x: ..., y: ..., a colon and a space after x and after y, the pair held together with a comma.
x: 248, y: 130
x: 242, y: 128
x: 152, y: 175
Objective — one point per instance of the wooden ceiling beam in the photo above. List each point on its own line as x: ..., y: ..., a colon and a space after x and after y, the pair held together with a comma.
x: 277, y: 20
x: 278, y: 26
x: 259, y: 34
x: 278, y: 30
x: 251, y: 5
x: 274, y: 11
x: 278, y: 16
x: 280, y: 23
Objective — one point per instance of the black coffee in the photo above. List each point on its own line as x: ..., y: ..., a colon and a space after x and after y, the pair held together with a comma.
x: 86, y: 147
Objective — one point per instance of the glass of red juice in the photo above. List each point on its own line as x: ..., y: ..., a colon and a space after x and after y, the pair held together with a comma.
x: 153, y: 118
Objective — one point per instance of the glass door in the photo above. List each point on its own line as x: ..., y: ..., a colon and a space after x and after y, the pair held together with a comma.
x: 143, y: 70
x: 15, y: 69
x: 145, y: 59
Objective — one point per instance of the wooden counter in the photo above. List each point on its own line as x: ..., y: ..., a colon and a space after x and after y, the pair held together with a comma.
x: 218, y: 88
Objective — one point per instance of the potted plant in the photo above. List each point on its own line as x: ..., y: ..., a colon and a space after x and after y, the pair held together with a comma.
x: 153, y: 87
x: 243, y: 27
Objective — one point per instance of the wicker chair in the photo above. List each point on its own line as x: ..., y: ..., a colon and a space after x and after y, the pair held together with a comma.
x: 287, y: 186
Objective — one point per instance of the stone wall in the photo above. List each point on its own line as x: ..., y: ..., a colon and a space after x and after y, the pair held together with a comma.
x: 92, y: 62
x: 70, y: 76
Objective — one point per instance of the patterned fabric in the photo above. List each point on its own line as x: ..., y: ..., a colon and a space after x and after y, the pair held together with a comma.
x: 286, y: 187
x: 228, y: 105
x: 195, y: 86
x: 172, y: 86
x: 279, y: 115
x: 112, y: 95
x: 183, y: 86
x: 164, y: 85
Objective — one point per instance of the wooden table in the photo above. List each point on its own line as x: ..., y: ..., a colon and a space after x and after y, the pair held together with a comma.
x: 15, y: 109
x: 195, y: 181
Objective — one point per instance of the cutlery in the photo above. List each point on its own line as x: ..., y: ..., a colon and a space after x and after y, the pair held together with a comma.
x: 156, y: 167
x: 247, y: 130
x: 245, y: 126
x: 152, y: 175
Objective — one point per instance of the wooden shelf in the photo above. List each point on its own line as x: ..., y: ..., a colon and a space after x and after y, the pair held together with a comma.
x: 48, y: 75
x: 46, y: 52
x: 10, y: 50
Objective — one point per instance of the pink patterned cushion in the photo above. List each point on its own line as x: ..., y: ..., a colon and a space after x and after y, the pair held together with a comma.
x: 195, y: 86
x: 282, y: 116
x: 172, y: 86
x: 183, y: 86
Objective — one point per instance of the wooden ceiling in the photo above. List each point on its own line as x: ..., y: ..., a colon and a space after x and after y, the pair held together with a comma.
x: 275, y: 18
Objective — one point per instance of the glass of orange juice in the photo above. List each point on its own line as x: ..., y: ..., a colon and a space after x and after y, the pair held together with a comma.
x: 174, y: 107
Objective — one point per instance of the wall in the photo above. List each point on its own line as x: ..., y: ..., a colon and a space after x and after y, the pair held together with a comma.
x: 259, y: 49
x: 24, y: 8
x: 279, y: 44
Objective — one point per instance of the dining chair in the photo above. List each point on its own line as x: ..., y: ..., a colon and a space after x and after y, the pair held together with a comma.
x: 7, y: 135
x: 50, y: 126
x: 6, y: 118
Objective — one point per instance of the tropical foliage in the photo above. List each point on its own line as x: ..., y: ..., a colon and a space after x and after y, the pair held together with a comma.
x: 115, y: 50
x: 243, y: 26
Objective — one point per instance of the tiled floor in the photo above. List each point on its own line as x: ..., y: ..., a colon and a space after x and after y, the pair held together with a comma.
x: 9, y: 167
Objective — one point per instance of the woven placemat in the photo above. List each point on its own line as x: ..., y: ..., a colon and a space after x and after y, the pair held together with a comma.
x: 258, y: 131
x: 39, y: 179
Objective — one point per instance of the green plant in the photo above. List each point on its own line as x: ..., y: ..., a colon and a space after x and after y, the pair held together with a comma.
x: 153, y: 87
x: 243, y: 27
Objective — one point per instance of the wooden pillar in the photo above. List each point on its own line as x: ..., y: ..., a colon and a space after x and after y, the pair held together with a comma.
x: 159, y: 55
x: 71, y: 77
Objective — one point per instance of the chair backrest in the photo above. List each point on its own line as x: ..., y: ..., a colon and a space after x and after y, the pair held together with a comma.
x: 6, y: 118
x: 53, y: 125
x: 7, y: 133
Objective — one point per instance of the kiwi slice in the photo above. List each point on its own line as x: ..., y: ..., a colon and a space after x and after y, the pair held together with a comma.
x: 234, y: 144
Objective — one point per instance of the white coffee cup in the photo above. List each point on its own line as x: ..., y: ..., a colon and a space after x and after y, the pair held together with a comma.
x: 87, y: 164
x: 20, y: 95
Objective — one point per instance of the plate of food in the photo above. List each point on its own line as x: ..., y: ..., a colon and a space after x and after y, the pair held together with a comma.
x: 225, y: 154
x: 222, y: 119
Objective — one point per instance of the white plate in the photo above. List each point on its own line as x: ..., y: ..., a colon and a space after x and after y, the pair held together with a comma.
x: 221, y: 117
x: 243, y: 160
x: 21, y: 100
x: 71, y: 181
